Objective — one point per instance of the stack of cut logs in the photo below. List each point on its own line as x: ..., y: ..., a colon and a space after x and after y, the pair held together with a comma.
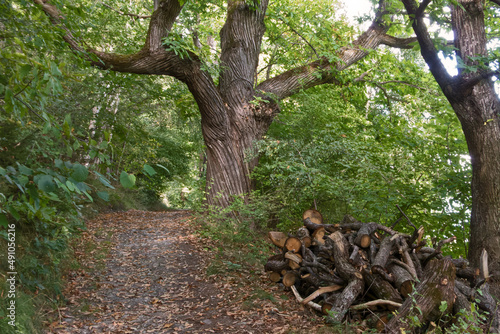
x: 366, y: 271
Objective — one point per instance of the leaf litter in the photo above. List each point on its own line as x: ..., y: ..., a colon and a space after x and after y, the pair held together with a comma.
x: 146, y: 272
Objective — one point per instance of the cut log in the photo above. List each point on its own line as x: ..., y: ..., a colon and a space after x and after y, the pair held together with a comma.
x: 437, y: 287
x: 293, y: 244
x: 289, y: 278
x: 380, y: 261
x: 277, y: 238
x: 294, y: 260
x: 328, y: 302
x: 274, y: 277
x: 403, y: 280
x: 314, y: 216
x: 307, y: 241
x: 318, y: 235
x: 381, y: 322
x: 346, y: 271
x: 363, y: 238
x: 380, y: 288
x: 276, y: 263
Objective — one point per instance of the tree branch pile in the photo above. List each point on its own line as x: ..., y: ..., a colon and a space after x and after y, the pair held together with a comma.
x: 373, y: 274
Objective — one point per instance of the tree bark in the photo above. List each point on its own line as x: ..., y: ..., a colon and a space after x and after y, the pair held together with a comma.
x: 437, y: 286
x: 473, y: 98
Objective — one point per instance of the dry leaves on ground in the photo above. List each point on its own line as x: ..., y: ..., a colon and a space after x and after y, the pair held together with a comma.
x: 145, y: 272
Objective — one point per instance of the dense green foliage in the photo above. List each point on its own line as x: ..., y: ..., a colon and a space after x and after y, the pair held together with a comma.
x: 366, y: 147
x: 72, y: 139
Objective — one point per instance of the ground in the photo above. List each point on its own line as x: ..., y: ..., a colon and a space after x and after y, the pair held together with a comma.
x: 151, y: 272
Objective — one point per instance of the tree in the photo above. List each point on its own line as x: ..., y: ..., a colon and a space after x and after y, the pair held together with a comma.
x: 236, y: 110
x: 472, y: 95
x: 237, y: 105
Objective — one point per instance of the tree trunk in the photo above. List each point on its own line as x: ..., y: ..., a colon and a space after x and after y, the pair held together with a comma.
x: 473, y: 98
x: 478, y: 108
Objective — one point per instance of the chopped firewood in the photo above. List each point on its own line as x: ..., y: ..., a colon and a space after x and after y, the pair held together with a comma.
x: 289, y: 278
x: 293, y: 244
x: 294, y: 260
x: 274, y: 277
x: 437, y: 287
x: 276, y: 263
x: 314, y: 216
x: 368, y: 270
x: 318, y: 235
x: 403, y: 279
x: 277, y: 238
x: 363, y: 238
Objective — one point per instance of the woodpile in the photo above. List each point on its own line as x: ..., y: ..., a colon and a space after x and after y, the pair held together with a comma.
x: 375, y: 275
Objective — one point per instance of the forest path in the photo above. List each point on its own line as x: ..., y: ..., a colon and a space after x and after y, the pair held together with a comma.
x: 145, y: 272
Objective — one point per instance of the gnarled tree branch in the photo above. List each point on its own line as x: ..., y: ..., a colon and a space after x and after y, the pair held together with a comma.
x: 395, y: 42
x: 428, y: 50
x: 323, y: 71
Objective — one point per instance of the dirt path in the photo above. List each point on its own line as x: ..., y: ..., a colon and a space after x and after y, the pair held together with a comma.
x: 145, y: 272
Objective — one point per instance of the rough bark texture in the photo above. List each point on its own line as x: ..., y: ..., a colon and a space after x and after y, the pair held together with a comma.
x: 473, y: 98
x: 346, y: 271
x: 437, y: 286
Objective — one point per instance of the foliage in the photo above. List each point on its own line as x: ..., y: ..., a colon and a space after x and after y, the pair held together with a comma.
x: 363, y: 154
x: 238, y: 227
x: 69, y: 140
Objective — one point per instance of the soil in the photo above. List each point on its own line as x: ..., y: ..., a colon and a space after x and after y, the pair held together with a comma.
x: 146, y: 272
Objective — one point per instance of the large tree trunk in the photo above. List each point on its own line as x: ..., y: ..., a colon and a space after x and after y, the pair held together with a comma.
x: 228, y: 167
x: 473, y: 98
x: 478, y: 109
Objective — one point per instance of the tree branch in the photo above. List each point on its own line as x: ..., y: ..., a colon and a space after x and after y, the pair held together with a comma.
x: 427, y: 48
x: 422, y: 7
x: 395, y: 42
x: 300, y: 35
x: 323, y: 71
x: 151, y: 59
x: 497, y: 2
x: 472, y: 81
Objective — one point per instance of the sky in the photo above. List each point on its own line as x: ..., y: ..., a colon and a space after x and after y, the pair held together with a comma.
x: 354, y: 8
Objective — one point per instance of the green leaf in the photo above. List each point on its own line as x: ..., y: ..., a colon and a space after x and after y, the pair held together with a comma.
x: 105, y: 182
x: 14, y: 213
x: 104, y: 195
x: 80, y: 172
x: 58, y: 163
x: 149, y: 170
x: 3, y: 220
x: 127, y: 180
x: 70, y: 185
x: 443, y: 307
x: 46, y: 183
x: 163, y: 167
x: 24, y: 170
